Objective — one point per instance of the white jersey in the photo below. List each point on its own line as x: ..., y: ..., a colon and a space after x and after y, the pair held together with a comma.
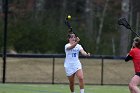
x: 72, y: 62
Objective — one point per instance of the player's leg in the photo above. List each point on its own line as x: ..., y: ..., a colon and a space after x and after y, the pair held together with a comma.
x: 133, y: 85
x: 80, y: 76
x: 71, y: 82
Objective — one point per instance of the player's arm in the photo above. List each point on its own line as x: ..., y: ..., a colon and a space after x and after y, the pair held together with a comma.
x: 127, y: 58
x: 74, y: 44
x: 83, y: 52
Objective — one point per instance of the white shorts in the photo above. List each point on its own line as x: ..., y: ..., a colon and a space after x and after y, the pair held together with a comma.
x: 71, y: 69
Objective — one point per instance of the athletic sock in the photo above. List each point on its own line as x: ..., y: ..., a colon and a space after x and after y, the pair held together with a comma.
x: 81, y: 90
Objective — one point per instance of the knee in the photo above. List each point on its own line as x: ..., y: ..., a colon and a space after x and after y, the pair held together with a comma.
x: 81, y: 79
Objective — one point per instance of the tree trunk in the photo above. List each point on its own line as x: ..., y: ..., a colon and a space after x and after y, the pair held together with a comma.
x: 1, y: 6
x: 89, y: 19
x: 62, y: 15
x: 137, y: 22
x: 40, y: 5
x: 101, y: 26
x: 124, y: 34
x: 30, y: 5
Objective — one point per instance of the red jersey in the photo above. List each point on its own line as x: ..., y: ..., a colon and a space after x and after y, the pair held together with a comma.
x: 135, y: 54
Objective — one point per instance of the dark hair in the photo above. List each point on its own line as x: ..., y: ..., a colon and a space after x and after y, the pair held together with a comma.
x: 137, y: 42
x: 70, y: 34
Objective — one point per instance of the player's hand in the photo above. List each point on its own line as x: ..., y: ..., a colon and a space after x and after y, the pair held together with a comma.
x: 77, y: 39
x: 88, y: 54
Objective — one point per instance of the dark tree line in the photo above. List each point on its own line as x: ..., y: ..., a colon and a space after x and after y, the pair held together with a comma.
x: 37, y: 26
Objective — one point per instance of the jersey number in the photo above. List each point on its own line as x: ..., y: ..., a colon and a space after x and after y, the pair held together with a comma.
x: 73, y: 54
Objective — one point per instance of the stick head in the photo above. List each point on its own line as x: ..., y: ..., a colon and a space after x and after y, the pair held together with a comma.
x: 122, y: 21
x: 67, y: 22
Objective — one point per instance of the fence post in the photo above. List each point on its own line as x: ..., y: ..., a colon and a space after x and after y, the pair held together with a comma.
x: 53, y: 68
x: 5, y: 11
x: 102, y: 71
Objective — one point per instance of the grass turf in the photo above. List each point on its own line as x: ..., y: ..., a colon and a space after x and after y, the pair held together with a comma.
x: 45, y: 88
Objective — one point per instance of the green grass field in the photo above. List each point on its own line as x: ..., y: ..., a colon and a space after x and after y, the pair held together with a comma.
x: 45, y: 88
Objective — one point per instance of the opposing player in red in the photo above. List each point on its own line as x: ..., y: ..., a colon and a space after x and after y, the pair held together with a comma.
x: 134, y: 54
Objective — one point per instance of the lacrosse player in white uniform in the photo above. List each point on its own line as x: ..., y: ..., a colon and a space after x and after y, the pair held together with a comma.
x: 72, y: 63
